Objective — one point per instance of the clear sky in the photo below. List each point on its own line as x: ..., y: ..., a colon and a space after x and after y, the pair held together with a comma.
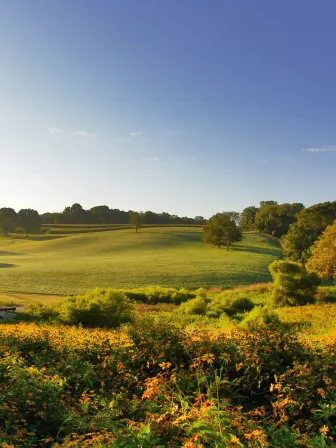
x: 185, y: 106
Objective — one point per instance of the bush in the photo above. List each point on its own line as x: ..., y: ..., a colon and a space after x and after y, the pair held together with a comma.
x: 326, y: 294
x: 159, y: 294
x: 231, y: 304
x: 260, y: 316
x: 293, y: 285
x: 99, y: 307
x: 194, y: 306
x: 39, y: 311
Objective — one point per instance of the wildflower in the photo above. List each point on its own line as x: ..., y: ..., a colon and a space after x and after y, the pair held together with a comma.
x: 208, y: 358
x: 324, y: 430
x: 165, y: 365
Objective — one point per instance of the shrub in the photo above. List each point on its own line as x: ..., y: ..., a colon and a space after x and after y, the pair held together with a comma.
x: 159, y: 294
x: 326, y: 294
x: 293, y: 285
x: 194, y: 306
x: 38, y: 311
x: 260, y: 316
x: 99, y: 307
x: 231, y: 304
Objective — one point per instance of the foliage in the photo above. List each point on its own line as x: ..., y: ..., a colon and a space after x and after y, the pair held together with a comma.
x: 221, y: 230
x: 293, y: 285
x: 40, y: 311
x: 8, y: 220
x: 159, y: 294
x: 99, y: 307
x: 155, y: 384
x: 247, y: 221
x: 323, y: 259
x: 137, y: 220
x: 311, y: 223
x: 274, y: 219
x: 230, y: 304
x: 29, y: 220
x: 198, y: 305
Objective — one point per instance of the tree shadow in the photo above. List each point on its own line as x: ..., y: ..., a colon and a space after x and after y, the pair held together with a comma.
x: 190, y: 237
x: 258, y: 250
x: 7, y: 265
x: 47, y: 237
x: 6, y: 253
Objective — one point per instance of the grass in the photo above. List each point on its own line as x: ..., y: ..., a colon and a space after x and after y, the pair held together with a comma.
x: 166, y: 256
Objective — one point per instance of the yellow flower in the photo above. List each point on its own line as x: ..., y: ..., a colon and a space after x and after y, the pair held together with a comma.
x: 208, y: 358
x: 165, y: 365
x: 324, y: 430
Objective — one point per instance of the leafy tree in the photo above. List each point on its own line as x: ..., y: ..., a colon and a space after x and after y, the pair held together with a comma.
x: 234, y: 216
x: 199, y: 220
x: 293, y: 285
x: 29, y: 220
x: 102, y: 213
x: 263, y: 203
x: 276, y: 218
x: 311, y: 223
x: 247, y: 221
x: 137, y: 220
x: 221, y: 230
x: 323, y: 260
x: 8, y: 220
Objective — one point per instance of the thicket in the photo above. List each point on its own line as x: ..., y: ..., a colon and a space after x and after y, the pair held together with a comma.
x: 158, y: 385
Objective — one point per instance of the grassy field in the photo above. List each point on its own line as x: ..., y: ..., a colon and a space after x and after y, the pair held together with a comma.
x: 167, y: 256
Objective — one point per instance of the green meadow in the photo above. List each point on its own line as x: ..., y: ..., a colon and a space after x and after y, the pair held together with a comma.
x: 73, y: 259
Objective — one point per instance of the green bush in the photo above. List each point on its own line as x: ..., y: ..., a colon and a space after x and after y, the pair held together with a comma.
x: 293, y: 285
x: 259, y: 316
x: 326, y: 294
x: 231, y: 304
x: 99, y: 307
x: 194, y: 306
x: 38, y: 311
x: 158, y: 294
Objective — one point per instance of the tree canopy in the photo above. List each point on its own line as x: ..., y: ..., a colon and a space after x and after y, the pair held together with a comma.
x: 221, y: 230
x: 310, y: 224
x: 323, y: 259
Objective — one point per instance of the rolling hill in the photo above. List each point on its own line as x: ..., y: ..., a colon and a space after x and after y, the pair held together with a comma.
x: 167, y: 256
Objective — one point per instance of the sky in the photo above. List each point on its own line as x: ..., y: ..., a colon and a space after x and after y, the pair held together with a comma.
x: 190, y: 107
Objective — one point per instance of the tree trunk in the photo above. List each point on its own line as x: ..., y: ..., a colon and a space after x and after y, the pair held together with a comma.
x: 136, y: 229
x: 227, y: 247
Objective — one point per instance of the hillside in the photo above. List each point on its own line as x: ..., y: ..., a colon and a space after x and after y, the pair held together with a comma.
x: 168, y: 256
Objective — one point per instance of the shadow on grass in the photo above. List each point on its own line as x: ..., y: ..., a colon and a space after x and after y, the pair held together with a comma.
x: 7, y: 265
x: 6, y: 253
x: 188, y: 237
x: 258, y: 250
x: 45, y: 237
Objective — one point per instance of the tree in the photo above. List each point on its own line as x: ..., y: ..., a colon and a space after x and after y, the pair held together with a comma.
x: 275, y: 219
x: 311, y: 223
x: 137, y: 220
x: 323, y: 259
x: 101, y: 213
x: 292, y: 284
x: 221, y: 230
x: 29, y: 220
x: 234, y: 216
x: 247, y: 221
x: 8, y: 220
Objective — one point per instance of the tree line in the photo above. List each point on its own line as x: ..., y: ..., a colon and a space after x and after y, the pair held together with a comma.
x: 102, y: 214
x: 298, y: 228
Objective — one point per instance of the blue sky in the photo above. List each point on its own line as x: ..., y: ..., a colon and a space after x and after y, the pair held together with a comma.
x: 191, y: 107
